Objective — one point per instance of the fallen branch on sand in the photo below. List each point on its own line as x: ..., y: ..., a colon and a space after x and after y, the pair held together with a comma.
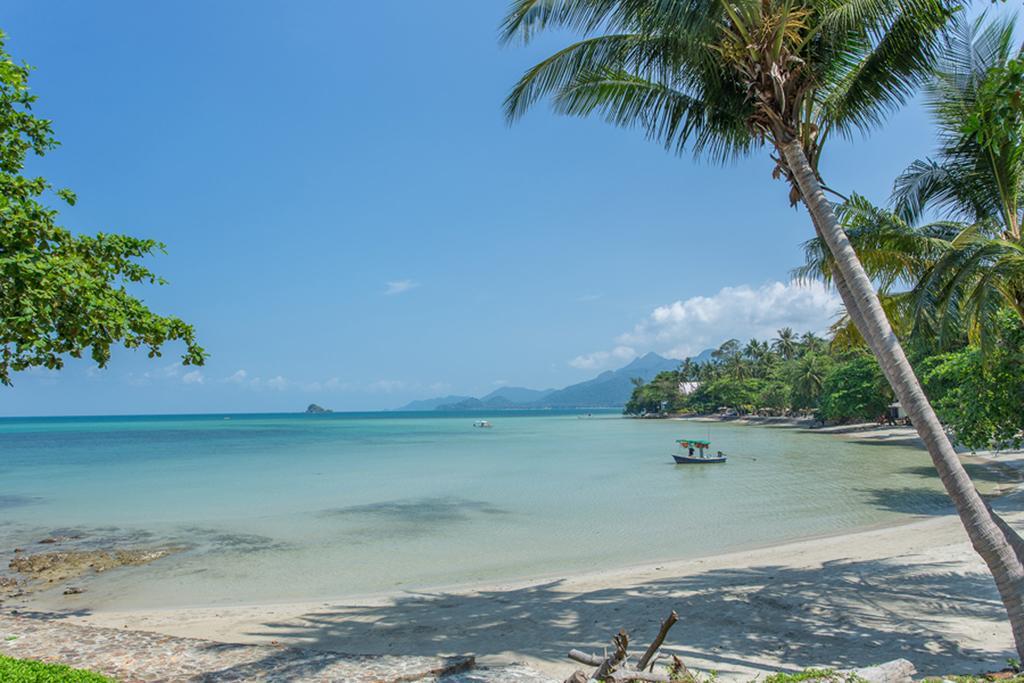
x: 613, y: 668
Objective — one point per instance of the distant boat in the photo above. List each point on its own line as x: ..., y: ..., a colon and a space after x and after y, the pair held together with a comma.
x: 695, y: 453
x: 485, y: 424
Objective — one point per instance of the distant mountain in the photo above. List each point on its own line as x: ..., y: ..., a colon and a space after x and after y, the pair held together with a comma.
x: 610, y: 389
x: 704, y: 356
x: 517, y: 394
x: 433, y: 403
x: 496, y: 403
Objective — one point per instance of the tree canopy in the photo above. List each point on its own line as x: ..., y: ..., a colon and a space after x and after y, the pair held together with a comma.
x: 61, y: 293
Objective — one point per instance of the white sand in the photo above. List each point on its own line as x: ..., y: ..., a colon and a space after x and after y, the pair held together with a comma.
x: 917, y: 591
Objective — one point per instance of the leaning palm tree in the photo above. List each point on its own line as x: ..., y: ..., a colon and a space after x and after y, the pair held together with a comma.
x: 730, y: 77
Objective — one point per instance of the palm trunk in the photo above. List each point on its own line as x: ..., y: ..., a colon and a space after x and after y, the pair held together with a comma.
x: 869, y: 333
x: 866, y: 311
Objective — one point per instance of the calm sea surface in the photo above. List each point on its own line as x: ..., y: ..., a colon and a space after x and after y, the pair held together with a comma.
x: 297, y: 507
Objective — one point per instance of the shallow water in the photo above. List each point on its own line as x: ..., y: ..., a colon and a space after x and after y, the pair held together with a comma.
x: 297, y: 507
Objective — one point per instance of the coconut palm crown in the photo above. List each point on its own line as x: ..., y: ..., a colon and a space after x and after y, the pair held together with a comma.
x: 722, y: 78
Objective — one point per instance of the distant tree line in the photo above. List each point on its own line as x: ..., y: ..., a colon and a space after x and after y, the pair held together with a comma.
x: 977, y: 394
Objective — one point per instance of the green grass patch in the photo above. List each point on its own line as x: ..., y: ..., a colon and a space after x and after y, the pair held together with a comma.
x: 830, y: 675
x: 27, y: 671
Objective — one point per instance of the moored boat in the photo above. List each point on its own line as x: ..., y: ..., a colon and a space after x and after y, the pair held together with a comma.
x: 484, y: 424
x: 695, y: 454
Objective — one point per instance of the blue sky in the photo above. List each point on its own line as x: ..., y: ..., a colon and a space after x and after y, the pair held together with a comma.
x: 350, y: 221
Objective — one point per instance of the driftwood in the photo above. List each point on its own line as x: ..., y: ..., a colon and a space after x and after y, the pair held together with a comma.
x: 584, y: 658
x: 896, y: 671
x: 613, y: 668
x: 621, y: 643
x: 652, y: 649
x: 627, y: 675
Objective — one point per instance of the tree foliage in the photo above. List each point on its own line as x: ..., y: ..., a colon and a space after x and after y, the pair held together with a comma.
x: 63, y: 294
x: 979, y: 394
x: 948, y: 280
x: 855, y: 389
x: 790, y: 374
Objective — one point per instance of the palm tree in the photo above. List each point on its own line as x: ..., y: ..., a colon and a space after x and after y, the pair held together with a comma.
x: 688, y: 370
x: 727, y: 77
x: 810, y: 343
x: 960, y: 272
x: 976, y: 179
x: 808, y: 379
x: 785, y: 344
x: 895, y: 254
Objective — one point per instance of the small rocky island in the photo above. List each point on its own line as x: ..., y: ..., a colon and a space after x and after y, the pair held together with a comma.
x: 314, y: 409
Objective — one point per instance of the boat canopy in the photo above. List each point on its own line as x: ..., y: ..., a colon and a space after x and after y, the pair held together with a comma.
x: 695, y: 443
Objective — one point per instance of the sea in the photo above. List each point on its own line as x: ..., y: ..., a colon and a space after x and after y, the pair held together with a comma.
x: 295, y: 507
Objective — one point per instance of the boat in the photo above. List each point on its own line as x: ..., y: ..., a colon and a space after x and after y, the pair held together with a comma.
x: 695, y: 454
x: 484, y: 424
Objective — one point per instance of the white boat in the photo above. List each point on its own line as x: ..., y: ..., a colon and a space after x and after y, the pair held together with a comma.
x: 484, y: 424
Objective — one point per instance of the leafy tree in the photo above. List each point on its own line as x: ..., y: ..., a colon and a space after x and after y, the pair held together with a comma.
x: 63, y: 294
x: 980, y: 394
x: 775, y: 396
x: 724, y: 78
x: 855, y: 389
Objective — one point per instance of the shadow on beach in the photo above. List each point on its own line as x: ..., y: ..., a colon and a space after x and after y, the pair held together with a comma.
x: 844, y: 614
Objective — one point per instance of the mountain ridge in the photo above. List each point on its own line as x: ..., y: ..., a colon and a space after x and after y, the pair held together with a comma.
x: 609, y: 389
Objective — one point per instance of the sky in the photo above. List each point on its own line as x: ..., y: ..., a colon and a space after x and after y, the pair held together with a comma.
x: 350, y: 221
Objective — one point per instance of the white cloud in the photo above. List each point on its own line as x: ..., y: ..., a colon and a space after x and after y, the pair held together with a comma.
x: 386, y: 386
x: 238, y: 377
x: 687, y: 327
x: 279, y: 383
x: 336, y: 384
x: 193, y: 377
x: 600, y: 359
x: 400, y: 286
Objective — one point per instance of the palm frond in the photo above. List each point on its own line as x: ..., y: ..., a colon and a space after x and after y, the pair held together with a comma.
x: 667, y: 115
x: 887, y: 56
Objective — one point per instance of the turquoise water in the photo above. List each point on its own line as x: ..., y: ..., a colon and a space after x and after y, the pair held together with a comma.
x: 297, y: 507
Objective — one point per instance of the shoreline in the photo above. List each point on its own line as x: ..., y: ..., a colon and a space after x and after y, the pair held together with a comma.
x: 797, y: 597
x: 844, y: 599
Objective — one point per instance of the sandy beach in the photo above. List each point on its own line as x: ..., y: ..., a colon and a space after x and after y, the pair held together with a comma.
x: 915, y: 590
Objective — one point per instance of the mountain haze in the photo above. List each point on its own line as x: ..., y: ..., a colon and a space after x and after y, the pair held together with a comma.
x: 610, y: 389
x: 433, y: 403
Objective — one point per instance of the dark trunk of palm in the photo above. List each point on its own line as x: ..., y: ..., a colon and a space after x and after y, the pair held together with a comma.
x: 866, y: 312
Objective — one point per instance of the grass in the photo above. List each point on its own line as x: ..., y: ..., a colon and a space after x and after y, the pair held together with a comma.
x: 26, y: 671
x: 825, y: 675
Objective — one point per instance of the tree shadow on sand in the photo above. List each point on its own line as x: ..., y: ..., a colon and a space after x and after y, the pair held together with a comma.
x: 845, y: 614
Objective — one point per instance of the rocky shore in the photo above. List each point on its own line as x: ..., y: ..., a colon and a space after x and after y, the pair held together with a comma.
x: 29, y: 572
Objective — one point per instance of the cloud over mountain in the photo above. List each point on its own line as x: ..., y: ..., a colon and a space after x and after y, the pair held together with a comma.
x: 685, y: 327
